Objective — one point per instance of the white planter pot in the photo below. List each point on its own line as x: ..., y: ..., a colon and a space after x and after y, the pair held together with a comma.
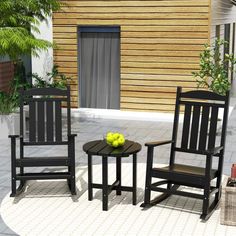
x: 9, y: 124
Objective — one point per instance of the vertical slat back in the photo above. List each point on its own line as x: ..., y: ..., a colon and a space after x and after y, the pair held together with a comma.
x: 195, y: 127
x: 199, y: 130
x: 225, y: 120
x: 22, y: 118
x: 204, y: 128
x: 41, y: 121
x: 32, y: 121
x: 68, y: 111
x: 213, y: 127
x: 49, y: 118
x: 175, y: 126
x: 58, y: 121
x: 186, y: 126
x: 45, y: 114
x: 21, y: 113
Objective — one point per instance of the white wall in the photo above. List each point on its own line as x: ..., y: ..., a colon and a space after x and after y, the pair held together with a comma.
x: 43, y: 64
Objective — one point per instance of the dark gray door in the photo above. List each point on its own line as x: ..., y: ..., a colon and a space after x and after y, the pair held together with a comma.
x: 99, y: 67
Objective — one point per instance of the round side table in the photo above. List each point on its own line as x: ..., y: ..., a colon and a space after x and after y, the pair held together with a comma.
x: 101, y: 148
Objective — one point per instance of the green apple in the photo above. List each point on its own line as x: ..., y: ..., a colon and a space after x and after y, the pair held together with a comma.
x: 109, y: 133
x: 116, y: 135
x: 115, y: 143
x: 110, y: 138
x: 109, y: 142
x: 121, y: 141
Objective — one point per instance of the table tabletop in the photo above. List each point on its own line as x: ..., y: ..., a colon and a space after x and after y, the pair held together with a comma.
x: 101, y: 148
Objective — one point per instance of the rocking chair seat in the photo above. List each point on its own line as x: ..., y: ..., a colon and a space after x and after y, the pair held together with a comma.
x: 179, y: 173
x: 43, y: 161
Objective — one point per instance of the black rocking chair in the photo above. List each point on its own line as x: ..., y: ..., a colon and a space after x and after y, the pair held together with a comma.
x: 198, y: 136
x: 45, y: 128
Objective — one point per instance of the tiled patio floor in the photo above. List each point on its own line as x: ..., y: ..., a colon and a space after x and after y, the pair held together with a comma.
x: 141, y: 131
x: 47, y: 208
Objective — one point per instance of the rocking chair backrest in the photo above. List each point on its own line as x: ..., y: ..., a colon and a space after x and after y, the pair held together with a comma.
x: 45, y: 114
x: 201, y: 109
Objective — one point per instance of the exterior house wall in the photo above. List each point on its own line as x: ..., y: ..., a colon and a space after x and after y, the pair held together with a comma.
x: 223, y: 13
x: 160, y: 46
x: 44, y: 62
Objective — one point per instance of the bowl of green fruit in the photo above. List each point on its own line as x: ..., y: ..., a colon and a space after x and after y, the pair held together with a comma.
x: 115, y: 139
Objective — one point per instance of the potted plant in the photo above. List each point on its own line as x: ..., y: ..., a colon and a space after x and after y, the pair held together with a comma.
x: 213, y: 72
x: 9, y: 106
x: 8, y: 118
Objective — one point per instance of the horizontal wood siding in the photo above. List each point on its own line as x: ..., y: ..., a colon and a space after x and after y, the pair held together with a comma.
x: 160, y: 45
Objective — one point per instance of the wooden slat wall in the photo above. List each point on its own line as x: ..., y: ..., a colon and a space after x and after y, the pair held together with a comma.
x: 160, y: 45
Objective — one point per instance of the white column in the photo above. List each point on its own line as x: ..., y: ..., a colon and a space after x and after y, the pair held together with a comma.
x: 43, y: 64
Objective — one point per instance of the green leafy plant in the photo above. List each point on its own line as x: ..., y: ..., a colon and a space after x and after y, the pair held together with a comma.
x: 9, y: 101
x: 7, y: 104
x: 54, y: 79
x: 18, y: 23
x: 213, y: 70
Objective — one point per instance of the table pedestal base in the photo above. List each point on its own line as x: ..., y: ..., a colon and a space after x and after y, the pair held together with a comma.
x: 106, y: 188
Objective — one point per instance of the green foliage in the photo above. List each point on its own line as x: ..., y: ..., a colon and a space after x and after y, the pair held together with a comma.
x: 23, y: 12
x: 19, y: 41
x: 19, y: 20
x: 213, y: 69
x: 55, y: 79
x: 9, y: 102
x: 18, y: 83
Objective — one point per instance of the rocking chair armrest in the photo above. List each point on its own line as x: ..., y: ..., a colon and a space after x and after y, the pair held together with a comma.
x: 71, y: 136
x: 158, y: 143
x: 213, y: 151
x: 11, y: 136
x: 15, y: 136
